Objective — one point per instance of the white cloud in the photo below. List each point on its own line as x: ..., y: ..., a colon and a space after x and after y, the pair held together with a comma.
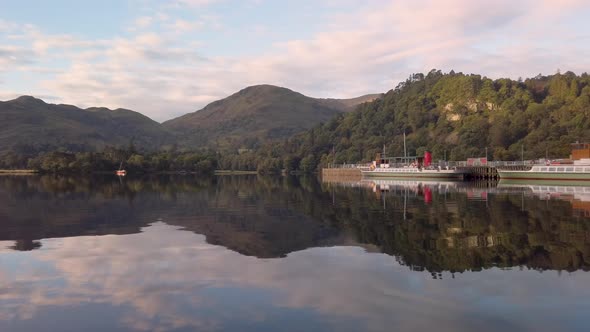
x: 164, y: 69
x: 164, y: 279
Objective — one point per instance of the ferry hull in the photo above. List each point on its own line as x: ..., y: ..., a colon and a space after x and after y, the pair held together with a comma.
x: 527, y: 175
x: 413, y: 175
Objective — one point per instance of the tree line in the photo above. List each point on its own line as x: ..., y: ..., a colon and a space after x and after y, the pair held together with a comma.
x: 453, y: 115
x: 111, y: 159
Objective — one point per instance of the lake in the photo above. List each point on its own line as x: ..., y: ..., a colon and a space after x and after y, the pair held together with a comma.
x: 248, y: 253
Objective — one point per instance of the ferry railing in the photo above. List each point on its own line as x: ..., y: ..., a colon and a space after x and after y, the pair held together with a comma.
x: 497, y: 163
x: 451, y: 164
x: 348, y: 165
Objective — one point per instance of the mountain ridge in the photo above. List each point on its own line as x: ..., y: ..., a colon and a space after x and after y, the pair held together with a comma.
x: 29, y: 125
x: 257, y: 113
x: 253, y: 114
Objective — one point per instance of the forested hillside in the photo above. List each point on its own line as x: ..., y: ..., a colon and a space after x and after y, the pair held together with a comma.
x: 255, y: 115
x: 451, y: 114
x: 29, y: 125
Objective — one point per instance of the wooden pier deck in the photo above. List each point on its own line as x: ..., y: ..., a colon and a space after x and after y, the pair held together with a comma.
x: 341, y: 174
x: 487, y: 172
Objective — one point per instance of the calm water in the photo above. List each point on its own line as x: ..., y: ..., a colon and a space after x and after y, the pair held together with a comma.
x: 288, y: 254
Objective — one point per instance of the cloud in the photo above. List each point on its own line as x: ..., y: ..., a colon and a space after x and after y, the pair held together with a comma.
x: 197, y: 3
x: 169, y: 65
x: 13, y: 55
x: 164, y: 279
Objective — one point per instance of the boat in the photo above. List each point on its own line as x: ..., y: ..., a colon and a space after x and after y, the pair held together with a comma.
x: 575, y: 172
x: 577, y: 168
x: 121, y: 171
x: 410, y: 167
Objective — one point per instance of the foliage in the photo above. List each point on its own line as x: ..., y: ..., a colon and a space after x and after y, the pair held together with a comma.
x: 110, y: 159
x: 29, y: 126
x: 254, y: 116
x: 453, y: 115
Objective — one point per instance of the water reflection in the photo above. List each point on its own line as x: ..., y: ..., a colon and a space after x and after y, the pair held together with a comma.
x: 267, y: 254
x: 457, y: 226
x: 437, y: 226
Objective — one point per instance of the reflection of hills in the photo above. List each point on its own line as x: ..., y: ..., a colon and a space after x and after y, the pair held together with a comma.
x: 424, y: 227
x: 232, y: 212
x: 45, y: 207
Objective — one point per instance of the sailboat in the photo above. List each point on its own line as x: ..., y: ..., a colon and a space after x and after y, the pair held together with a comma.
x: 121, y: 171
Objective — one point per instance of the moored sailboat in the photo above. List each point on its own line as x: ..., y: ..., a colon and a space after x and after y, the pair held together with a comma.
x: 121, y: 171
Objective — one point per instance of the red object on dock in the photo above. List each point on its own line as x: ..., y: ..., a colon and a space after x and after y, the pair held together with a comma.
x: 427, y: 158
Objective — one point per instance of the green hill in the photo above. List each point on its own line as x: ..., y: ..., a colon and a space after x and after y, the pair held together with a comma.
x: 29, y: 125
x: 452, y: 114
x: 254, y: 115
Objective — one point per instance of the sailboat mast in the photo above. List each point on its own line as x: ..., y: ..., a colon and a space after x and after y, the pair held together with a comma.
x: 405, y: 151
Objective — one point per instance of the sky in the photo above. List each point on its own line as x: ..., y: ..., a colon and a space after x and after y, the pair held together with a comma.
x: 167, y: 58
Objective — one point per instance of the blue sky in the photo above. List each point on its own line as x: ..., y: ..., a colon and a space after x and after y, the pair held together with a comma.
x: 166, y: 58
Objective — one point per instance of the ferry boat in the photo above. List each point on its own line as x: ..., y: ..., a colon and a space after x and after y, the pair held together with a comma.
x: 575, y: 169
x: 410, y: 167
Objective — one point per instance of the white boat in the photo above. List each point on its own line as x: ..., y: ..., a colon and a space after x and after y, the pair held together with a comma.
x: 579, y: 170
x: 414, y: 172
x: 410, y: 167
x: 121, y: 171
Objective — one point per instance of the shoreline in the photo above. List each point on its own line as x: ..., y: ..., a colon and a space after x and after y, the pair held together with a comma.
x: 230, y: 172
x: 18, y: 172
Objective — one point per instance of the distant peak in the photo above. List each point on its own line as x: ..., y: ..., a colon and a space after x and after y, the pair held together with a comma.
x: 28, y: 100
x: 264, y: 87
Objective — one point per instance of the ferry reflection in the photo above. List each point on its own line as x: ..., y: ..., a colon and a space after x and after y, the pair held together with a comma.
x: 577, y: 193
x: 425, y: 189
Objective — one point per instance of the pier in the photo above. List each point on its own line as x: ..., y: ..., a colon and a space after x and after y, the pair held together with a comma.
x: 341, y: 174
x: 487, y: 172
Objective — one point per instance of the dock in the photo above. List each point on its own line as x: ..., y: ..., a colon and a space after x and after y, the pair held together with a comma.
x: 341, y: 174
x: 487, y: 172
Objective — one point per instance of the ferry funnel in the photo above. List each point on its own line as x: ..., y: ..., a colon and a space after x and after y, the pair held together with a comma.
x: 427, y: 158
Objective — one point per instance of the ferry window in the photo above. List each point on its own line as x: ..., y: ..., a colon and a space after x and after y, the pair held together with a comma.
x: 578, y: 169
x: 569, y: 169
x: 560, y: 169
x: 543, y: 169
x: 551, y: 169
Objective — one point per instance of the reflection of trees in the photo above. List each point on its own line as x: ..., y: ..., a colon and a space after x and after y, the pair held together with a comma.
x: 459, y: 234
x: 273, y: 216
x: 235, y: 212
x: 25, y: 245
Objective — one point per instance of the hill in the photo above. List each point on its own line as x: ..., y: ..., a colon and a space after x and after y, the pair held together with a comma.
x: 453, y: 115
x: 29, y: 125
x: 256, y: 114
x: 349, y: 105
